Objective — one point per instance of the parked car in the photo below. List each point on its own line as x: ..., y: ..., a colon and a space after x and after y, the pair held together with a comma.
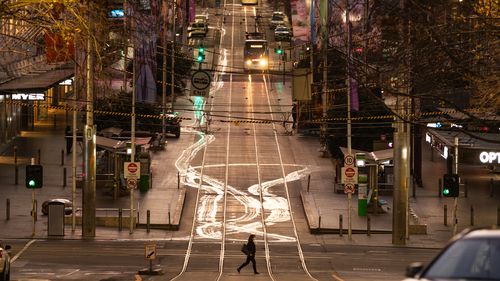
x: 278, y: 18
x: 4, y: 263
x: 68, y: 206
x: 282, y: 33
x: 474, y: 254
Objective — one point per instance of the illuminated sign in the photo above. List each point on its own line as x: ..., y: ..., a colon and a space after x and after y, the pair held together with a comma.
x: 33, y: 97
x: 428, y: 138
x: 489, y: 157
x: 256, y: 46
x: 66, y: 82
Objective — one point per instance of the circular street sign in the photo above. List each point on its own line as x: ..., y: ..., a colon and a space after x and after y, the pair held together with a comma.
x: 200, y: 80
x: 131, y: 183
x: 350, y: 172
x: 349, y: 160
x: 132, y: 168
x: 348, y: 188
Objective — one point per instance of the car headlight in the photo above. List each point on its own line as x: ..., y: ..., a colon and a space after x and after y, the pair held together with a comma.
x: 249, y: 62
x: 263, y: 62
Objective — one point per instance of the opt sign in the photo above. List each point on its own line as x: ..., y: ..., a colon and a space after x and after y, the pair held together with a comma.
x: 349, y: 175
x: 489, y: 157
x: 132, y: 170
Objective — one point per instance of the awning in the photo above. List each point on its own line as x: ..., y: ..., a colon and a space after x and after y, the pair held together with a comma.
x: 378, y: 156
x: 112, y: 144
x: 40, y: 81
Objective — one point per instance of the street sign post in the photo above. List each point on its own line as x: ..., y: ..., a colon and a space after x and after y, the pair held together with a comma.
x: 200, y: 83
x: 132, y: 183
x: 349, y: 188
x: 349, y: 175
x: 349, y: 160
x: 132, y: 170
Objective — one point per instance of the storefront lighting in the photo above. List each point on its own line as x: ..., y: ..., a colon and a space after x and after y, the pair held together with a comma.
x: 434, y: 125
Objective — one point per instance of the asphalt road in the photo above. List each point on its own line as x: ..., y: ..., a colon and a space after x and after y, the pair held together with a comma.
x: 121, y: 260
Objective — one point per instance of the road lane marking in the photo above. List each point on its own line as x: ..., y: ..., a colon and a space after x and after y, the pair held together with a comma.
x: 22, y: 251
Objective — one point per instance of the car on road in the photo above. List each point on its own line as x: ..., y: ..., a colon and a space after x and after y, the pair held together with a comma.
x: 201, y: 18
x: 282, y: 33
x: 474, y: 254
x: 4, y: 263
x: 278, y: 18
x: 173, y: 124
x: 197, y: 29
x: 68, y: 206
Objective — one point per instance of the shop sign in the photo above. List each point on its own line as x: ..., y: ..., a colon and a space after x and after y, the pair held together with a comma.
x: 489, y: 157
x: 29, y: 96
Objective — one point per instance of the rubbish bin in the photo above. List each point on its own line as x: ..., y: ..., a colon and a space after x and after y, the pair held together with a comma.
x: 55, y: 224
x: 144, y: 183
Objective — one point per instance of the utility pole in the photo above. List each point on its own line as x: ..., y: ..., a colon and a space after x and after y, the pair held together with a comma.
x: 164, y: 76
x: 455, y: 199
x: 172, y: 72
x: 73, y: 154
x: 132, y: 144
x: 89, y: 190
x: 348, y: 84
x: 401, y: 158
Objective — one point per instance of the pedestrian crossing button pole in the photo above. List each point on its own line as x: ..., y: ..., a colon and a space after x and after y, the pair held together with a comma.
x: 150, y: 252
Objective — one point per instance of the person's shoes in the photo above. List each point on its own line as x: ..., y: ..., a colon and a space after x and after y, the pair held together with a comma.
x: 256, y: 272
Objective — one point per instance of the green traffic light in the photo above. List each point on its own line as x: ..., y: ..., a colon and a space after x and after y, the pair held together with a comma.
x: 199, y: 58
x: 279, y: 51
x: 446, y: 191
x: 31, y: 183
x: 201, y: 50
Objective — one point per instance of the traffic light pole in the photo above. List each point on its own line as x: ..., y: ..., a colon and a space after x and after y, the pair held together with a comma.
x: 455, y: 199
x: 172, y: 71
x: 33, y: 207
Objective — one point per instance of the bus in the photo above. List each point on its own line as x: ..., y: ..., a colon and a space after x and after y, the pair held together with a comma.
x: 255, y: 52
x: 249, y: 2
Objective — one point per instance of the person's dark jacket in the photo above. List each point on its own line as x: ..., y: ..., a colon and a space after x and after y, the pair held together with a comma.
x: 251, y: 248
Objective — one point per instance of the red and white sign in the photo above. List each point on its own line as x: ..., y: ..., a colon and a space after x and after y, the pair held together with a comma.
x: 131, y: 183
x: 349, y: 160
x: 349, y: 188
x: 132, y: 170
x: 349, y: 175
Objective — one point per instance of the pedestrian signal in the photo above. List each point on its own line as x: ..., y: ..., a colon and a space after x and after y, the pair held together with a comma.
x: 201, y: 54
x: 34, y: 176
x: 451, y: 185
x: 279, y: 51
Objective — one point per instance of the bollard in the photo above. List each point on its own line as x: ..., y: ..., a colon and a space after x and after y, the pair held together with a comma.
x: 15, y: 155
x: 120, y: 214
x: 308, y: 182
x: 64, y: 177
x: 439, y: 188
x: 340, y: 225
x: 471, y: 215
x: 169, y: 223
x: 498, y: 216
x: 466, y: 189
x: 39, y: 156
x: 16, y: 175
x: 368, y: 225
x: 178, y: 180
x: 445, y: 215
x: 7, y: 209
x: 62, y: 157
x: 491, y: 187
x: 148, y: 217
x: 319, y: 222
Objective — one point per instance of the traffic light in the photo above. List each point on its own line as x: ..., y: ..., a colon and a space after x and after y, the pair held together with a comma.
x: 279, y: 51
x: 451, y: 185
x: 201, y: 54
x: 34, y: 176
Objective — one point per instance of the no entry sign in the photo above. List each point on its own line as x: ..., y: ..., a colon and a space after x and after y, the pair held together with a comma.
x: 349, y: 175
x: 132, y: 170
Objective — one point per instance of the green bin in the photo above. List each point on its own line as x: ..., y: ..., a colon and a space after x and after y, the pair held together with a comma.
x: 144, y: 183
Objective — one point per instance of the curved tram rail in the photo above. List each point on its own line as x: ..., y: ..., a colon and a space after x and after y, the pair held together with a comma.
x: 228, y: 210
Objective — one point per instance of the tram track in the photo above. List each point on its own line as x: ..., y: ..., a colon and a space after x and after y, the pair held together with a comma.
x: 235, y: 191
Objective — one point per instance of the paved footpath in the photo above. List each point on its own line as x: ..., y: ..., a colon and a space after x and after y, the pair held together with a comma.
x: 319, y: 200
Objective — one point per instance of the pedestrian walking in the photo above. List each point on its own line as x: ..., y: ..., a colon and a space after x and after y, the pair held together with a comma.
x: 69, y: 140
x: 250, y: 252
x: 294, y: 115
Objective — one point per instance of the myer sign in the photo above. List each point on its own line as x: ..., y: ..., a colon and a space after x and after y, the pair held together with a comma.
x: 489, y: 157
x: 32, y: 96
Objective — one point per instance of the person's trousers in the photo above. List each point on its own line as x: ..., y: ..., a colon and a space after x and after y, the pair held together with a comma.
x: 249, y: 259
